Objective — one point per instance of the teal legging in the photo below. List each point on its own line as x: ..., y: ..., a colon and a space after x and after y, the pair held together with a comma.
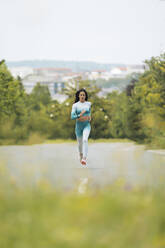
x: 82, y: 131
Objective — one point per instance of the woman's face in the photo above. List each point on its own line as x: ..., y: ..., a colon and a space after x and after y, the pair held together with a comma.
x: 82, y: 96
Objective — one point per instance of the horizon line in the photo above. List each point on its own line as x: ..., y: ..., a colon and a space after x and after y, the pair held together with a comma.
x: 72, y: 60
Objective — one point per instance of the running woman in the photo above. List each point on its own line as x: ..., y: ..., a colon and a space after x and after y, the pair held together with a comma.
x: 81, y: 112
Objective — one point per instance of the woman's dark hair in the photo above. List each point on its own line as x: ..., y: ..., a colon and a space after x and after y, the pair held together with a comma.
x: 77, y: 95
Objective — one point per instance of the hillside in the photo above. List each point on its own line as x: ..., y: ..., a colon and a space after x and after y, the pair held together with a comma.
x: 76, y: 66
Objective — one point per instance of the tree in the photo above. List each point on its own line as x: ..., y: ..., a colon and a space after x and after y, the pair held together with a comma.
x: 12, y: 94
x: 147, y: 101
x: 40, y: 96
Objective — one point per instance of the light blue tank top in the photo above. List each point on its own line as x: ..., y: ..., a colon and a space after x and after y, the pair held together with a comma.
x: 78, y: 107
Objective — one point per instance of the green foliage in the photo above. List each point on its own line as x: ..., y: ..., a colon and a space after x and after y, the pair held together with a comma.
x: 13, y: 112
x: 40, y: 96
x: 137, y: 113
x: 9, y: 91
x: 147, y: 103
x: 118, y: 214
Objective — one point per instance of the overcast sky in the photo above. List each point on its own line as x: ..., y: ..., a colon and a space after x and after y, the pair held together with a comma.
x: 112, y: 31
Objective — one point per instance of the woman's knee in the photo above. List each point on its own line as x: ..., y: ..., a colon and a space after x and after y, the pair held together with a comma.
x: 85, y: 140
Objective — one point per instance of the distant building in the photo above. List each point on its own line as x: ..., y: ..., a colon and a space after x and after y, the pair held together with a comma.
x: 136, y: 68
x: 55, y: 78
x: 122, y: 72
x: 118, y: 72
x: 59, y: 78
x: 94, y: 75
x: 55, y: 84
x: 21, y: 71
x: 105, y: 91
x: 51, y: 71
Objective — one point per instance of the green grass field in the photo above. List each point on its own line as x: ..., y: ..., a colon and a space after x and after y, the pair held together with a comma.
x: 37, y: 139
x: 117, y: 216
x: 90, y: 140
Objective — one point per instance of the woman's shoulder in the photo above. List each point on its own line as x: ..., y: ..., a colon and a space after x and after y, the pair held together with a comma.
x: 89, y: 102
x: 75, y: 103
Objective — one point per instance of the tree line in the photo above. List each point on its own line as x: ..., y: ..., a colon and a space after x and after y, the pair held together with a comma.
x: 137, y: 113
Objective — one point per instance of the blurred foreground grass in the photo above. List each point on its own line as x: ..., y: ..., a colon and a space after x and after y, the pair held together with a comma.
x: 117, y: 216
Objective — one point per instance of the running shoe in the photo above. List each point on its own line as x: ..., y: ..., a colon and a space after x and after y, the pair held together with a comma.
x: 83, y: 162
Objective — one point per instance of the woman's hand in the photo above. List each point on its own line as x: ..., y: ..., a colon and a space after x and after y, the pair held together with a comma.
x: 82, y: 112
x: 84, y: 118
